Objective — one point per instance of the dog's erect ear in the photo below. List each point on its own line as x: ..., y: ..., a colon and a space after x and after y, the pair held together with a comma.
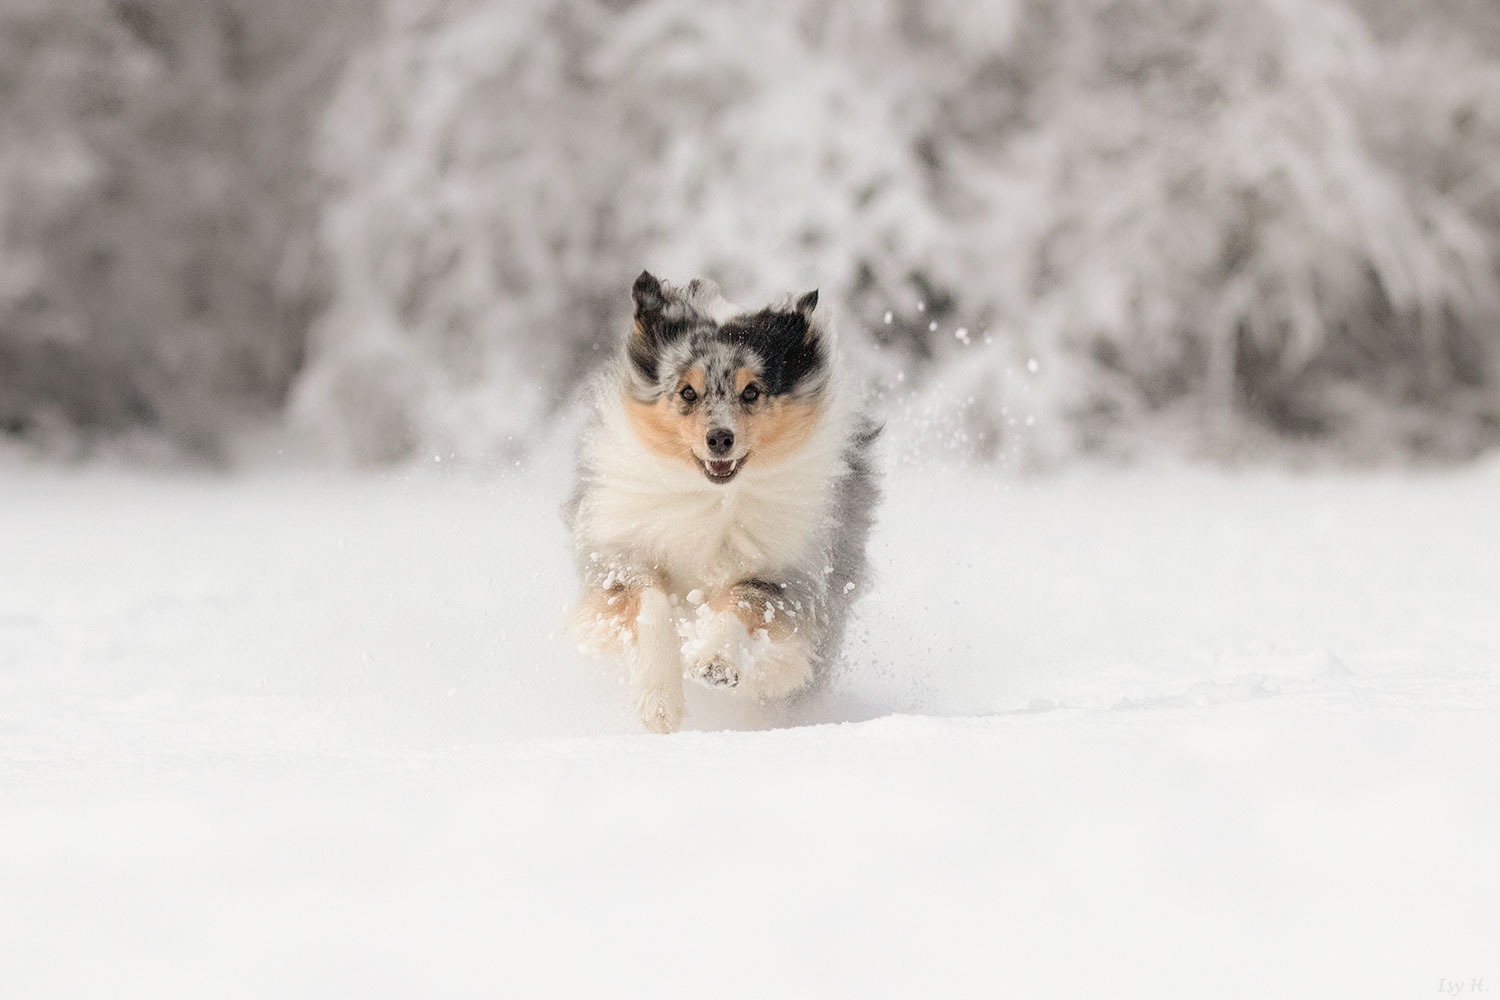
x: 648, y: 294
x: 808, y: 303
x: 649, y: 331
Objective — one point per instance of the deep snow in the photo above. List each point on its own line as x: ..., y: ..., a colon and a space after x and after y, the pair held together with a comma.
x: 1148, y: 733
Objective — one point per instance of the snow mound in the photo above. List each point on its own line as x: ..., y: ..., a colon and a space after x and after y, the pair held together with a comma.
x: 1142, y: 732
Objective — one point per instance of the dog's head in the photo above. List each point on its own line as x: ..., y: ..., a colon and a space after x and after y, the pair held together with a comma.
x: 720, y: 389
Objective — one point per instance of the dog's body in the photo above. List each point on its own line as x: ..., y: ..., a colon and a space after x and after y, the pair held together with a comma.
x: 724, y: 497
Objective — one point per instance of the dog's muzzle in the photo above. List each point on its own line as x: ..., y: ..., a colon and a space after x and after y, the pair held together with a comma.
x: 722, y: 470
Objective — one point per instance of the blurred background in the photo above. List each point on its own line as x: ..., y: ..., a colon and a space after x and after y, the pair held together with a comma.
x: 405, y: 229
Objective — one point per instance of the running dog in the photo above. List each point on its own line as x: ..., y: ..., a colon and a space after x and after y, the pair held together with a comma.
x: 725, y: 492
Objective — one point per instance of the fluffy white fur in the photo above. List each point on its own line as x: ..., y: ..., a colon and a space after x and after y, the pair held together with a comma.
x: 702, y: 535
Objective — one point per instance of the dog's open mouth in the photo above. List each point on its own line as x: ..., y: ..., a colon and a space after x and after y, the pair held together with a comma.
x: 723, y: 471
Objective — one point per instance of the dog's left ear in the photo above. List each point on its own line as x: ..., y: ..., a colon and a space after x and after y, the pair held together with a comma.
x: 647, y: 293
x: 816, y: 323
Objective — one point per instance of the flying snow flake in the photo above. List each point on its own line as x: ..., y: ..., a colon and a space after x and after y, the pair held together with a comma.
x: 888, y: 317
x: 961, y: 334
x: 1033, y: 366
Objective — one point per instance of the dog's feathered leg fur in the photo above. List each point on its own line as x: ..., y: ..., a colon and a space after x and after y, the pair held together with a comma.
x: 758, y: 637
x: 625, y: 612
x: 656, y: 664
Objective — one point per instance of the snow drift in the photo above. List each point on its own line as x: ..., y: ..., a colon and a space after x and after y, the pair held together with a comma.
x: 1140, y: 735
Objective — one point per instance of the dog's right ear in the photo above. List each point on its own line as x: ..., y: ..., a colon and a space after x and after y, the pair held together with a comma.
x: 646, y: 333
x: 648, y: 295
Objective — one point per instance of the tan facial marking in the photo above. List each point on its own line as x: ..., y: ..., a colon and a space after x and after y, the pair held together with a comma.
x: 772, y: 430
x: 664, y: 430
x: 779, y: 428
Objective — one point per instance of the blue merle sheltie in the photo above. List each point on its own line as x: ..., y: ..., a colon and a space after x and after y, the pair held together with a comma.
x: 725, y: 493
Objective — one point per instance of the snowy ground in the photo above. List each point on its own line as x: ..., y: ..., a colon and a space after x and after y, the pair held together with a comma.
x: 1114, y: 734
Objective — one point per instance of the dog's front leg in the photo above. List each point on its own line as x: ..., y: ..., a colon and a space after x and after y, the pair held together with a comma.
x: 624, y: 613
x: 656, y: 664
x: 755, y: 637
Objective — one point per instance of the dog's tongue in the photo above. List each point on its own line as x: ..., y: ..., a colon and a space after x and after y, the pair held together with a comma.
x: 721, y: 468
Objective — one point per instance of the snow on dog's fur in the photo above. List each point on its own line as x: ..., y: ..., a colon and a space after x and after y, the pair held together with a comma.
x: 723, y: 501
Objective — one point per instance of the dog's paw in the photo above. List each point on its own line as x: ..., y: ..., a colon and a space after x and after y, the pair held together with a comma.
x: 659, y: 707
x: 716, y: 672
x: 715, y: 649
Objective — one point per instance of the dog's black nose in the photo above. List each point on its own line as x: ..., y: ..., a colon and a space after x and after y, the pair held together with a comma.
x: 720, y: 440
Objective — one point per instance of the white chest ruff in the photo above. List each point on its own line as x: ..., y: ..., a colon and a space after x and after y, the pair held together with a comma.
x: 665, y: 515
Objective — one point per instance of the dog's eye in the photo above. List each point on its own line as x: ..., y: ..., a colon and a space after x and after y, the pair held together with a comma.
x: 751, y: 393
x: 688, y: 394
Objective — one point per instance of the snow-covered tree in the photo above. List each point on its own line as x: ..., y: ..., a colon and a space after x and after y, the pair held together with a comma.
x: 1254, y: 213
x: 156, y: 255
x: 1045, y: 227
